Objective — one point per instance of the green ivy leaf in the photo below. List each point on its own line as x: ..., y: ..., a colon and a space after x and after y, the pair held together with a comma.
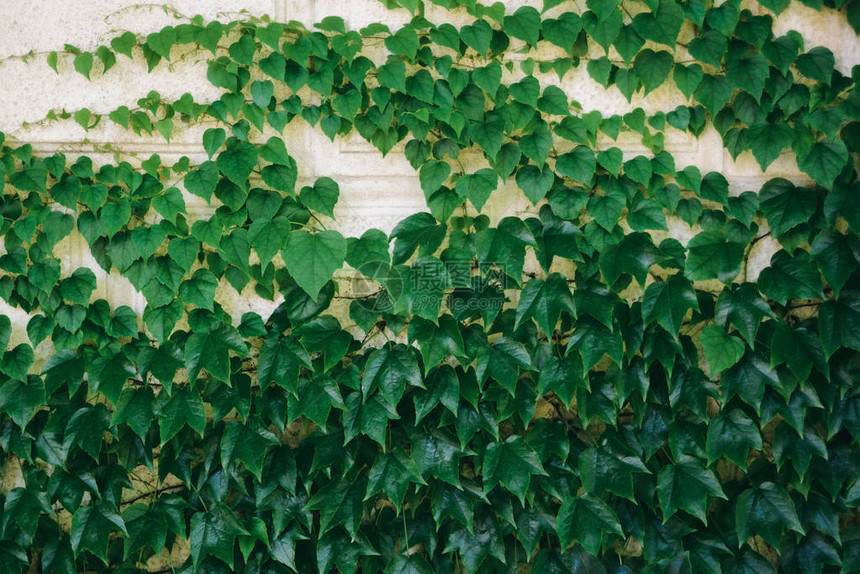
x: 604, y: 471
x: 183, y: 407
x: 535, y: 182
x: 536, y: 145
x: 213, y: 139
x: 502, y: 360
x: 162, y: 41
x: 663, y: 25
x: 628, y: 43
x: 524, y: 24
x: 83, y: 64
x: 839, y: 322
x: 474, y: 546
x: 787, y: 445
x: 731, y: 435
x: 20, y: 397
x: 687, y: 78
x: 562, y: 376
x: 824, y: 161
x: 161, y: 320
x: 477, y: 187
x: 505, y: 246
x: 436, y: 340
x: 553, y: 101
x: 562, y: 31
x: 280, y: 360
x: 791, y: 278
x: 136, y: 408
x: 147, y: 240
x: 414, y: 564
x: 78, y: 288
x: 67, y: 192
x: 199, y: 290
x: 184, y: 251
x: 709, y: 48
x: 403, y: 42
x: 433, y: 174
x: 611, y: 160
x: 392, y: 74
x: 114, y: 216
x: 837, y: 255
x: 247, y: 444
x: 765, y: 510
x: 443, y: 386
x: 653, y: 68
x: 767, y: 141
x: 418, y: 231
x: 490, y: 135
x: 743, y: 308
x: 211, y: 349
x: 268, y: 237
x: 721, y: 349
x: 45, y: 275
x: 169, y: 204
x: 607, y: 208
x: 390, y: 370
x: 477, y: 36
x: 817, y: 64
x: 202, y: 181
x: 713, y: 92
x: 667, y: 303
x: 587, y: 520
x: 783, y: 51
x: 6, y: 331
x: 746, y: 69
x: 213, y: 532
x: 488, y: 78
x: 347, y: 104
x: 686, y: 485
x: 748, y: 379
x: 786, y: 206
x: 391, y: 473
x: 646, y: 214
x: 339, y: 502
x: 544, y: 301
x: 634, y: 255
x: 92, y: 526
x: 711, y: 256
x: 799, y: 349
x: 312, y: 259
x: 437, y: 455
x: 512, y: 464
x: 236, y: 163
x: 124, y: 43
x: 108, y: 375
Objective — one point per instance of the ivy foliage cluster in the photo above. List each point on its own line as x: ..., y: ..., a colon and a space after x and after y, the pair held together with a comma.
x: 627, y: 403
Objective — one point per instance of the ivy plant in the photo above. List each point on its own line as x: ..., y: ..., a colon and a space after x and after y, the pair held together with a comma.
x: 575, y: 389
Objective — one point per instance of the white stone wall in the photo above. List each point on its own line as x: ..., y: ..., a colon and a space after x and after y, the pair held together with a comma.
x: 375, y: 191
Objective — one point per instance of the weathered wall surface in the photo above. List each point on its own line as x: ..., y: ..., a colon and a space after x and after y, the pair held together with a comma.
x: 375, y: 191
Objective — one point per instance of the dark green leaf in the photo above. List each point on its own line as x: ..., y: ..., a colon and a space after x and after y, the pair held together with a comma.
x: 839, y: 323
x: 667, y: 302
x: 687, y: 485
x: 587, y: 520
x: 765, y: 510
x: 731, y: 435
x: 312, y: 259
x: 511, y: 464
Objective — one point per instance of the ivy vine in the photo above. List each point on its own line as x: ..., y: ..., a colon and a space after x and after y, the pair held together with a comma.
x: 573, y: 390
